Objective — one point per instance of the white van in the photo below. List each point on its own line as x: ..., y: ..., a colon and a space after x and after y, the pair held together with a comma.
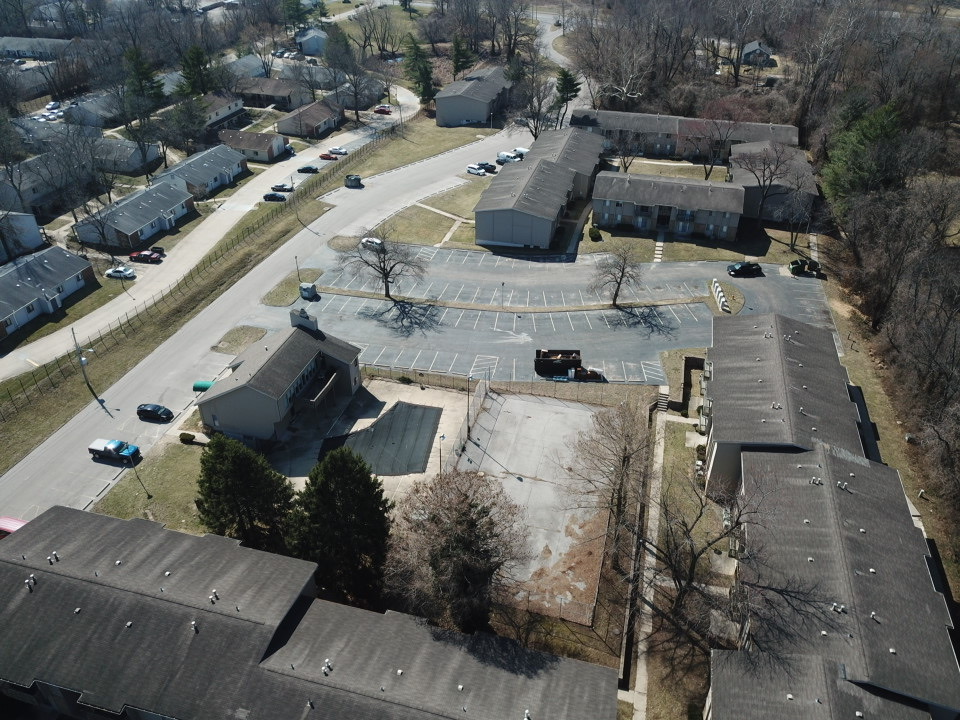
x: 521, y: 151
x: 476, y: 170
x: 507, y: 157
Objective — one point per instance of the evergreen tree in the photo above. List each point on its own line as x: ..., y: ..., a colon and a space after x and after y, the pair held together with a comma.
x: 296, y: 14
x: 240, y: 495
x: 419, y: 70
x: 462, y: 57
x: 568, y: 87
x: 341, y: 521
x: 196, y: 72
x: 141, y: 81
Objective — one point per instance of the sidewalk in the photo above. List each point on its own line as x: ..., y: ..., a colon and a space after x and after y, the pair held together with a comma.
x: 190, y: 250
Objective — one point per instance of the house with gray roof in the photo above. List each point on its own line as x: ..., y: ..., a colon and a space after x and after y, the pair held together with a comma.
x: 783, y: 171
x: 289, y: 370
x: 682, y: 206
x: 256, y: 146
x: 204, y: 172
x: 313, y: 120
x: 475, y: 98
x: 862, y: 627
x: 756, y: 53
x: 118, y: 155
x: 134, y: 218
x: 34, y: 185
x: 220, y: 107
x: 36, y: 284
x: 526, y: 201
x: 133, y: 620
x: 314, y: 76
x: 33, y: 48
x: 19, y: 235
x: 265, y: 92
x: 247, y: 66
x: 678, y: 137
x: 311, y: 41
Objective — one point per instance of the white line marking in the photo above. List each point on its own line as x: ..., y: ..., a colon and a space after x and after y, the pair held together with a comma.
x: 440, y: 321
x: 453, y: 362
x: 378, y: 356
x: 570, y: 318
x: 474, y: 298
x: 430, y: 369
x: 477, y: 320
x: 533, y: 317
x: 457, y: 323
x: 587, y: 318
x: 415, y: 360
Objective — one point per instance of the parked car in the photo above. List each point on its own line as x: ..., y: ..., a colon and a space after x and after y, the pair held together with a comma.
x: 282, y: 187
x: 476, y: 170
x: 53, y: 105
x: 744, y: 269
x: 10, y: 525
x: 328, y: 156
x: 159, y: 251
x: 508, y: 157
x: 309, y: 169
x: 383, y: 110
x: 337, y: 151
x: 121, y: 272
x: 275, y: 197
x: 521, y: 151
x: 151, y: 411
x: 489, y: 167
x: 146, y: 256
x: 19, y: 61
x: 372, y: 244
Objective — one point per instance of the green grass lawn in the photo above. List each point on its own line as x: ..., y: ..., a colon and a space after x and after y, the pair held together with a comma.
x: 170, y: 475
x: 238, y: 339
x: 671, y: 168
x: 416, y: 225
x: 461, y: 200
x: 287, y: 291
x: 263, y: 120
x: 403, y: 22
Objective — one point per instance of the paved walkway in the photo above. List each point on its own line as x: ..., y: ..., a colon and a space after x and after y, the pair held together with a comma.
x: 189, y: 251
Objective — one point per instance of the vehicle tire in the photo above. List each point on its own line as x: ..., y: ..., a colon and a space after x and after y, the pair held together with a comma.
x: 96, y: 456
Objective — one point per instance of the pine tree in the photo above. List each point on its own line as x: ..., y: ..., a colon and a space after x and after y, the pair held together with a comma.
x: 141, y: 81
x: 568, y: 87
x: 462, y: 57
x: 419, y: 70
x: 196, y: 72
x: 341, y: 521
x: 240, y: 495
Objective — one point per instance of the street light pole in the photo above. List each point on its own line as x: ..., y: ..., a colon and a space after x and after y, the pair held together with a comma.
x: 83, y: 365
x: 440, y: 451
x: 137, y: 473
x: 297, y: 263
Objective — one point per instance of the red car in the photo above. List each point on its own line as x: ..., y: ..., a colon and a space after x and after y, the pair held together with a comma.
x: 145, y: 256
x: 383, y: 111
x: 328, y: 156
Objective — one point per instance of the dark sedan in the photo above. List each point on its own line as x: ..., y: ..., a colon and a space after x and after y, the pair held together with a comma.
x: 489, y: 167
x: 744, y: 269
x: 309, y: 169
x: 275, y: 197
x: 150, y: 411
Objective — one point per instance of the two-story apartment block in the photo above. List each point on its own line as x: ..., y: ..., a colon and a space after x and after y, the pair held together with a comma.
x: 678, y: 137
x: 683, y: 206
x: 264, y: 92
x: 475, y: 98
x: 312, y: 120
x: 204, y: 172
x: 34, y: 184
x: 221, y: 107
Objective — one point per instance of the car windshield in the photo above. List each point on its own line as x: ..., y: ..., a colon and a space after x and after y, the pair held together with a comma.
x: 116, y: 446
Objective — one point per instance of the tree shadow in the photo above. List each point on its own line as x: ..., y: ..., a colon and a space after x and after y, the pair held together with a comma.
x: 405, y: 318
x: 502, y: 653
x: 646, y: 318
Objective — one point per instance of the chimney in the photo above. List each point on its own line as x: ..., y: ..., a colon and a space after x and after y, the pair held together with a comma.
x: 304, y: 319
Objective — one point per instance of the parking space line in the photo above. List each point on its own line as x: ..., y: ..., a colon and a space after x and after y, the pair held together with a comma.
x: 445, y: 311
x: 465, y: 256
x: 514, y: 316
x: 513, y: 375
x: 378, y: 356
x: 686, y: 307
x: 477, y: 320
x: 493, y: 297
x: 352, y: 281
x: 449, y: 255
x: 496, y: 319
x: 457, y: 323
x: 396, y: 360
x: 415, y: 360
x: 607, y: 322
x: 534, y: 318
x: 563, y: 301
x: 330, y: 301
x: 458, y: 294
x: 570, y: 319
x: 587, y: 318
x: 482, y: 256
x: 410, y: 290
x: 361, y: 306
x: 426, y: 293
x: 510, y: 299
x: 430, y: 369
x: 453, y: 362
x: 597, y: 293
x: 550, y: 315
x: 443, y: 291
x: 688, y: 289
x: 528, y: 298
x: 474, y: 298
x: 544, y: 297
x: 670, y: 308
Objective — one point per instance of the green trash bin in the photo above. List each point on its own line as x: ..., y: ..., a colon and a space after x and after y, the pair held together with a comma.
x: 202, y: 385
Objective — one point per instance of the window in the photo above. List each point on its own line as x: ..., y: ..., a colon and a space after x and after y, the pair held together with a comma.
x: 619, y: 204
x: 59, y: 289
x: 644, y: 209
x: 80, y: 278
x: 7, y: 322
x: 30, y: 308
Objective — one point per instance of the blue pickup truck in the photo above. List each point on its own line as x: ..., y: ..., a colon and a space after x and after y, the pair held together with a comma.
x: 114, y: 450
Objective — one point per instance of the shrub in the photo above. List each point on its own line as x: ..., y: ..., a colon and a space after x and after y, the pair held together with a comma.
x: 187, y: 438
x: 595, y: 235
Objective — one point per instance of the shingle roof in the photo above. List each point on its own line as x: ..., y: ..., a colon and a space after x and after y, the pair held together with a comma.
x: 570, y: 147
x: 309, y: 33
x: 24, y: 44
x: 684, y: 193
x: 272, y: 365
x: 796, y: 168
x: 140, y: 208
x: 238, y: 139
x: 116, y: 149
x: 535, y: 187
x: 781, y: 382
x: 201, y: 168
x: 248, y: 66
x: 214, y: 101
x: 273, y: 87
x: 313, y: 114
x: 28, y: 277
x: 755, y: 45
x: 681, y: 126
x: 485, y: 85
x: 121, y: 634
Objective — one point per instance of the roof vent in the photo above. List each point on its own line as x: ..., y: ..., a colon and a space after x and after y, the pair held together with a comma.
x: 460, y: 688
x: 215, y: 596
x: 49, y: 559
x: 55, y: 556
x: 118, y: 562
x: 872, y: 571
x: 789, y: 696
x: 858, y: 713
x: 809, y: 559
x: 863, y: 531
x: 167, y: 574
x: 76, y: 611
x: 806, y: 521
x: 399, y: 672
x: 893, y: 651
x: 310, y: 704
x: 804, y: 387
x: 526, y: 715
x: 852, y: 475
x: 823, y: 633
x: 194, y: 626
x: 212, y: 601
x: 129, y: 623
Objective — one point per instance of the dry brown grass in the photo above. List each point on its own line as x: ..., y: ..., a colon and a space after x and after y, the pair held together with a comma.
x: 238, y: 339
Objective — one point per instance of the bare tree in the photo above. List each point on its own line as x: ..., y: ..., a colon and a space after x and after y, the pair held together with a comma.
x: 609, y: 472
x: 628, y: 144
x: 768, y: 166
x: 535, y: 97
x: 386, y: 261
x: 709, y: 138
x: 620, y: 266
x: 455, y: 541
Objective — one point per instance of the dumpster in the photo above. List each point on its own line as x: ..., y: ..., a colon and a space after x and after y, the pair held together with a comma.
x: 797, y: 266
x: 308, y: 291
x: 202, y: 385
x: 352, y: 181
